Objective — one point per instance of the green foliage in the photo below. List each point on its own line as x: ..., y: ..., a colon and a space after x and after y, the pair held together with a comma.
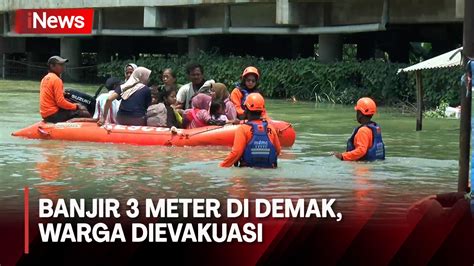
x: 307, y: 79
x: 439, y: 112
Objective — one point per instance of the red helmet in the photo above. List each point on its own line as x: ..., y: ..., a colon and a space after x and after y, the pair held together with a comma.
x: 251, y: 70
x: 255, y: 102
x: 366, y: 106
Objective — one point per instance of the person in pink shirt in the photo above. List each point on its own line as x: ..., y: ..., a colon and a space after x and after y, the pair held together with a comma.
x: 198, y: 115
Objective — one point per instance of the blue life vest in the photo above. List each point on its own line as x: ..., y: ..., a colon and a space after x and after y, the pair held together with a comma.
x: 245, y: 93
x: 377, y: 151
x: 260, y: 151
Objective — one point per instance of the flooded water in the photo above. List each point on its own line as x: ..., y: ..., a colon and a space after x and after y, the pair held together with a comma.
x: 418, y: 163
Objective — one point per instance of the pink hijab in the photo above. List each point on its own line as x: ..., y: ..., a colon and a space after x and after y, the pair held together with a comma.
x: 201, y: 101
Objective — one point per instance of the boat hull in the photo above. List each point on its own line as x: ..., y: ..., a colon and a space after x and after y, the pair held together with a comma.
x: 142, y: 135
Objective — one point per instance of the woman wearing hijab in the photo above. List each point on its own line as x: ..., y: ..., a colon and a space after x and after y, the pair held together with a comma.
x: 128, y: 70
x: 219, y: 92
x: 135, y: 96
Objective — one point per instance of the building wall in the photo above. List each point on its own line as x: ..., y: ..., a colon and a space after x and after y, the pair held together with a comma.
x: 355, y: 12
x: 149, y: 20
x: 261, y: 15
x: 424, y: 11
x: 247, y: 13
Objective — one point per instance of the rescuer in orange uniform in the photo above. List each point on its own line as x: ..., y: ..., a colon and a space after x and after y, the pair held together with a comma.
x: 54, y: 107
x: 247, y: 86
x: 366, y: 142
x: 256, y: 143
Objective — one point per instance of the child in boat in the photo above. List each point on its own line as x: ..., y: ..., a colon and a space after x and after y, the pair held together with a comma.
x: 366, y: 142
x: 219, y: 91
x: 217, y: 110
x: 256, y: 142
x: 161, y: 112
x: 199, y: 115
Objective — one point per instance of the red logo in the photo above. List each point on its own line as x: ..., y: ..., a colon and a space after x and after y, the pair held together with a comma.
x: 54, y: 21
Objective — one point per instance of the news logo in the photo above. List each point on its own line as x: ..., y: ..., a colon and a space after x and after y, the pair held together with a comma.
x: 54, y: 21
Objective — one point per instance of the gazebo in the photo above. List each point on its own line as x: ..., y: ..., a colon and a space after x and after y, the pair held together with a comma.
x: 450, y: 59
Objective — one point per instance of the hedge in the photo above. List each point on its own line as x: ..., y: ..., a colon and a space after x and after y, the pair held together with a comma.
x: 307, y: 79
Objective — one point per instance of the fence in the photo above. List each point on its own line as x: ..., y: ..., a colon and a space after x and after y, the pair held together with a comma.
x: 23, y: 69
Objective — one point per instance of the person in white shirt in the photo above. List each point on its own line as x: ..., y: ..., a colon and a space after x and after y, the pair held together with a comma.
x: 186, y: 92
x: 100, y: 101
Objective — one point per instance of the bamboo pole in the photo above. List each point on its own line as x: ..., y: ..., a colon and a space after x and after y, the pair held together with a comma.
x: 465, y: 123
x: 419, y: 101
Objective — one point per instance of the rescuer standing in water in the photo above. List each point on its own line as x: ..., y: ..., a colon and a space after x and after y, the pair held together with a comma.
x: 366, y: 142
x: 256, y: 143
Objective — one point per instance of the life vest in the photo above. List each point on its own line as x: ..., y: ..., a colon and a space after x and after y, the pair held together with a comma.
x: 245, y: 93
x: 192, y: 119
x: 260, y: 151
x: 377, y: 150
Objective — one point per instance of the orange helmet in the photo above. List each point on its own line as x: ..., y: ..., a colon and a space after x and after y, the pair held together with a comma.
x: 251, y: 70
x: 255, y: 102
x: 366, y: 106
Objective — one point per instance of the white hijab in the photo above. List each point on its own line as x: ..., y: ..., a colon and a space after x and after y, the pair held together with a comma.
x: 137, y: 80
x: 134, y: 66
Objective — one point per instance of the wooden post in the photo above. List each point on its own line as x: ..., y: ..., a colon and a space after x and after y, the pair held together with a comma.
x: 465, y: 128
x: 419, y: 100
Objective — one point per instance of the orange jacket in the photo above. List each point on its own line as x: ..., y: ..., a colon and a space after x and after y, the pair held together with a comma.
x: 243, y: 135
x: 236, y: 99
x: 362, y: 143
x: 52, y: 96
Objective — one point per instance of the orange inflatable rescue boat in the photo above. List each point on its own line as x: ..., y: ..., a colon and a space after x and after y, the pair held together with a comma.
x: 143, y: 135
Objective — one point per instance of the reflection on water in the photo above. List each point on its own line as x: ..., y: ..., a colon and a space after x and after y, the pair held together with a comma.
x: 418, y: 163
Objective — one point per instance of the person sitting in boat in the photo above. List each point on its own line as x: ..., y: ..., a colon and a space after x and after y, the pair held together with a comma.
x: 128, y: 70
x: 219, y: 92
x: 206, y: 87
x: 198, y: 115
x: 185, y: 94
x: 217, y: 110
x: 169, y: 78
x: 247, y: 85
x: 110, y: 84
x: 54, y: 107
x: 256, y: 142
x: 135, y: 96
x: 161, y: 113
x: 366, y: 142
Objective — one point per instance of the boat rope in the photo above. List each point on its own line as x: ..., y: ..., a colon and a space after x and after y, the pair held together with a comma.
x: 184, y: 135
x: 204, y: 131
x: 110, y: 131
x: 280, y: 131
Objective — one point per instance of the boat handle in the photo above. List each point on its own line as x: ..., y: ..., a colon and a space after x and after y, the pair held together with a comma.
x: 43, y: 132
